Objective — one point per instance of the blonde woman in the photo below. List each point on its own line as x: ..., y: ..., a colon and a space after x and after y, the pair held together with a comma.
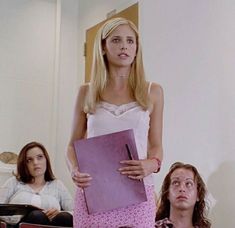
x: 119, y: 98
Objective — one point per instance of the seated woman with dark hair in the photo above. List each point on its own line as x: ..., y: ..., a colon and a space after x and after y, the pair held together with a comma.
x: 182, y: 201
x: 34, y: 183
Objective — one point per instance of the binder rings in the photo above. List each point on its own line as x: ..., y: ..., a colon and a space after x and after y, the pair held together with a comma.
x: 100, y: 157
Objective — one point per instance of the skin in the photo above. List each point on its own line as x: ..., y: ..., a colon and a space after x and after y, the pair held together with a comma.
x: 120, y: 49
x: 36, y: 164
x: 183, y: 196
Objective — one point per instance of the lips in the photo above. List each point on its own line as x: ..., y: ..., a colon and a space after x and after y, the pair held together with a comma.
x: 182, y: 198
x: 123, y: 55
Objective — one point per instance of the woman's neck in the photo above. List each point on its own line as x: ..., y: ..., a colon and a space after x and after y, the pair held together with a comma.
x: 181, y: 219
x: 118, y: 91
x: 119, y: 74
x: 38, y: 181
x: 37, y: 184
x: 118, y: 84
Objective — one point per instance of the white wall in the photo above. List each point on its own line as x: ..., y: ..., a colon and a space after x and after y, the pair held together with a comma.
x: 38, y: 76
x: 188, y: 48
x: 27, y: 29
x: 68, y: 82
x: 191, y: 53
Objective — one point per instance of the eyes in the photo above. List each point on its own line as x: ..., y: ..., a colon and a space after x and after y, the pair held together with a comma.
x: 177, y: 183
x: 38, y: 158
x: 117, y: 40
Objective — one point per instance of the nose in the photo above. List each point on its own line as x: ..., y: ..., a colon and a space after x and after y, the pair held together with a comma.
x: 182, y: 187
x: 35, y: 161
x: 123, y: 45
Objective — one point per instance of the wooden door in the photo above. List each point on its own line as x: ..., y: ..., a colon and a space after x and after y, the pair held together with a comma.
x: 131, y: 13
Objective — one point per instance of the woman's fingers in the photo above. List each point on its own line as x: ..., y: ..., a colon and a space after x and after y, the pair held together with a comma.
x: 82, y: 180
x: 51, y: 213
x: 140, y: 177
x: 134, y: 169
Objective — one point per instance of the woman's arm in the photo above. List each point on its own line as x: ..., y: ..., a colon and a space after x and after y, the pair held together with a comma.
x: 79, y: 128
x: 138, y: 169
x: 156, y: 122
x: 66, y: 200
x: 7, y: 190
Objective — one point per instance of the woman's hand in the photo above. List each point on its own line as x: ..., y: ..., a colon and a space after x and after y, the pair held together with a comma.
x: 51, y: 213
x: 82, y: 180
x: 138, y: 169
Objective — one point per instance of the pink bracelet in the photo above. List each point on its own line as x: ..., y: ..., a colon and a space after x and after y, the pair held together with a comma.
x: 159, y: 163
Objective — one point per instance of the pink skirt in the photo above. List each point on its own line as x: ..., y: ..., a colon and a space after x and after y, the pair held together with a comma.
x: 139, y: 216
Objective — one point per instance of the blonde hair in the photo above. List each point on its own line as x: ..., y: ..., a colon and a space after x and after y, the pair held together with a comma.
x: 99, y: 75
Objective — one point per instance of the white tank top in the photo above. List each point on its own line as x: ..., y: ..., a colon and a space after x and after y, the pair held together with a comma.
x: 110, y: 118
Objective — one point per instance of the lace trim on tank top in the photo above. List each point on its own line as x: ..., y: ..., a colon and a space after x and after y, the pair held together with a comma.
x: 118, y: 110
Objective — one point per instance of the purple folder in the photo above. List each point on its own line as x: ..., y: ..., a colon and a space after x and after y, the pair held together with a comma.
x: 100, y: 157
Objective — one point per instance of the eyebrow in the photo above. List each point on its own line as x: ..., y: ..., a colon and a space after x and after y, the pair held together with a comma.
x: 35, y: 155
x: 177, y: 178
x: 133, y: 37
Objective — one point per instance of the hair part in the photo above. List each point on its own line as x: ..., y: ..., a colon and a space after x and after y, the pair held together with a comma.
x: 99, y: 71
x: 23, y: 173
x: 200, y: 208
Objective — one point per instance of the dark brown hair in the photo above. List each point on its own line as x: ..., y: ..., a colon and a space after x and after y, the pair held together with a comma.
x: 200, y: 208
x: 23, y: 173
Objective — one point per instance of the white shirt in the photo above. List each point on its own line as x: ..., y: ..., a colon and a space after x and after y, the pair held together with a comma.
x: 54, y: 194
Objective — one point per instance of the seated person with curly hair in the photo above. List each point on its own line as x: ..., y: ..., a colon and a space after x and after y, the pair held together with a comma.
x: 182, y: 201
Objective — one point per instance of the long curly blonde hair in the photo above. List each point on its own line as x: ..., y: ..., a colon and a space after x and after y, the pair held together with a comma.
x: 99, y: 72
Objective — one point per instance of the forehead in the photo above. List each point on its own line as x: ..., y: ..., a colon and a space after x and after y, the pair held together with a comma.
x: 182, y: 173
x: 34, y: 151
x: 123, y: 30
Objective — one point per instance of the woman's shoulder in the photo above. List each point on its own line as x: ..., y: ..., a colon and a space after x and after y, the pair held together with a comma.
x: 56, y: 183
x: 82, y: 92
x: 84, y: 87
x: 11, y: 181
x: 155, y: 88
x: 156, y: 94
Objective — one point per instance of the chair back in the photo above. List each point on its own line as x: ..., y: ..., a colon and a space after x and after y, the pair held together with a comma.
x: 3, y: 225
